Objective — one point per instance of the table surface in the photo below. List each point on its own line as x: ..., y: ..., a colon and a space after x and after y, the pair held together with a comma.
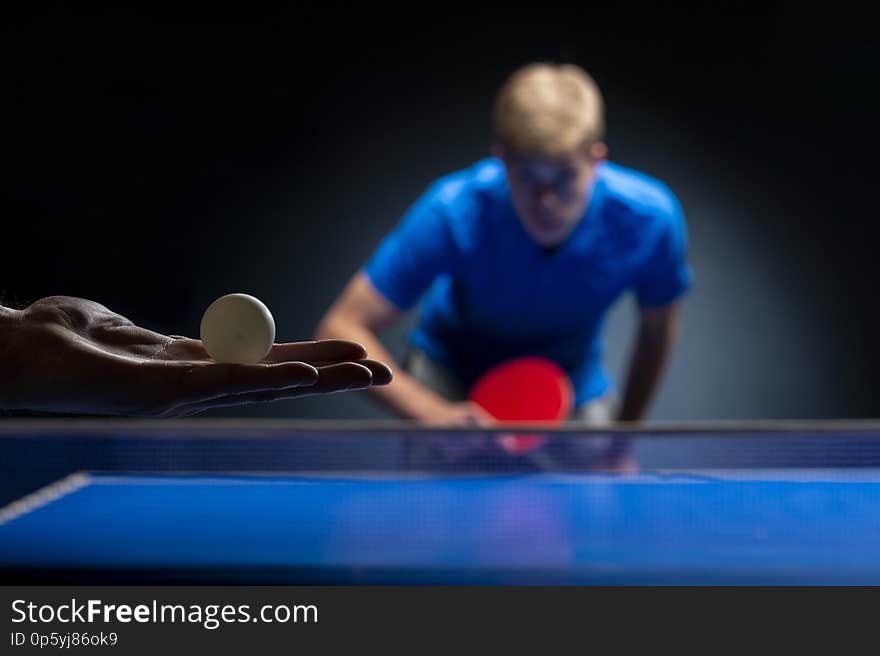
x: 754, y: 526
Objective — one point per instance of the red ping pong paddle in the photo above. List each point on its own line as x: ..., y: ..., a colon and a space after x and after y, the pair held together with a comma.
x: 529, y: 390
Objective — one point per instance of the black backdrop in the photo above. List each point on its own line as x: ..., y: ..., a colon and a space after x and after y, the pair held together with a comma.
x: 154, y: 162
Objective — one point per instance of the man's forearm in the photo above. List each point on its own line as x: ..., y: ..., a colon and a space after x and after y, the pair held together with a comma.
x: 405, y: 396
x: 648, y: 361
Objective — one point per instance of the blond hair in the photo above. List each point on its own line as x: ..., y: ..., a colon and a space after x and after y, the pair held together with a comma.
x: 549, y: 109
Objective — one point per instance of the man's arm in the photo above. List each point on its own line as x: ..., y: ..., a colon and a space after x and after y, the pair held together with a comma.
x: 360, y: 314
x: 658, y: 330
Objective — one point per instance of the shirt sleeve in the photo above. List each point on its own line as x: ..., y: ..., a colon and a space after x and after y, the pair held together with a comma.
x: 666, y: 274
x: 419, y: 250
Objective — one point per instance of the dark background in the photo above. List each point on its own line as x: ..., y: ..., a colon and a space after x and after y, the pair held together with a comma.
x: 155, y: 162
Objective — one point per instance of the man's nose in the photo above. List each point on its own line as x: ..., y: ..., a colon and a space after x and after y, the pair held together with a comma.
x: 546, y: 197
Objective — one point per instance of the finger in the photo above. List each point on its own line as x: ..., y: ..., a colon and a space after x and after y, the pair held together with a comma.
x: 324, y: 351
x: 190, y: 382
x: 119, y: 331
x: 382, y: 374
x: 315, y: 353
x: 341, y: 377
x: 486, y: 421
x: 480, y: 417
x: 128, y: 339
x: 333, y: 378
x: 184, y: 348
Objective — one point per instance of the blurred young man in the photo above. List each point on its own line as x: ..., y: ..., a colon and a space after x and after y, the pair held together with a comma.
x: 523, y: 253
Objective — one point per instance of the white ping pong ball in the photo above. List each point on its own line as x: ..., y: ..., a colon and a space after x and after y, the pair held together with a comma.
x: 237, y: 329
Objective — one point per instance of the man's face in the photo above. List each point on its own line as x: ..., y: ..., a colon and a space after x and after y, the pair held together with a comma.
x: 550, y: 194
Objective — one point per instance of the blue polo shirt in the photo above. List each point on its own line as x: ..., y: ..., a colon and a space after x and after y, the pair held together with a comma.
x: 488, y: 292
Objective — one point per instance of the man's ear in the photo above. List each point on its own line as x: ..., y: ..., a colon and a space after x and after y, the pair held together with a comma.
x: 598, y: 151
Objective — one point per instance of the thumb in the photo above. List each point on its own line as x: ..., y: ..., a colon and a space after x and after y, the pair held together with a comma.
x: 482, y: 417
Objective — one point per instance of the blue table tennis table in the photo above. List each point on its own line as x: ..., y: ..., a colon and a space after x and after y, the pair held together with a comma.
x: 752, y: 525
